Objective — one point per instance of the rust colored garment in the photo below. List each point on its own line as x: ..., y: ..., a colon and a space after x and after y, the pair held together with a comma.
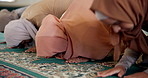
x: 77, y: 32
x: 128, y: 11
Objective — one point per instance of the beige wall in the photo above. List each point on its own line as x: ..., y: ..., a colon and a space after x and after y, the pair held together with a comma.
x: 18, y: 3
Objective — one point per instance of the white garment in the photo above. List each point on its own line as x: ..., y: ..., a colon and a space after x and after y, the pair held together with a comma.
x: 18, y: 30
x: 100, y: 16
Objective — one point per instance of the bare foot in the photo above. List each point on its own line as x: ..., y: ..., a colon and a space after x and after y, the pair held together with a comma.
x: 77, y: 60
x: 33, y: 49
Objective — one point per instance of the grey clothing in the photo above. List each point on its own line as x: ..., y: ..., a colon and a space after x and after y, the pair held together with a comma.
x: 7, y: 16
x: 130, y: 58
x: 19, y: 11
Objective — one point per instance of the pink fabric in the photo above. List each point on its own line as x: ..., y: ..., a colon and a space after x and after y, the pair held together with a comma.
x: 50, y: 38
x: 77, y: 32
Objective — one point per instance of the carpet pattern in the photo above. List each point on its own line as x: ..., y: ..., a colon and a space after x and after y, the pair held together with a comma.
x: 8, y: 72
x: 15, y: 63
x: 52, y: 68
x: 28, y: 65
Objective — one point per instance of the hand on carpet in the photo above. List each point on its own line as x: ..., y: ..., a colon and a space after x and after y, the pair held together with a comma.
x: 33, y: 49
x: 77, y: 60
x: 120, y: 70
x: 59, y: 56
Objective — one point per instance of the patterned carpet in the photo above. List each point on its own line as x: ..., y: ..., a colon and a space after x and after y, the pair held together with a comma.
x: 15, y: 63
x: 9, y: 72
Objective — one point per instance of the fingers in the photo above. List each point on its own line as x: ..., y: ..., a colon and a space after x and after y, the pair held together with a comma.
x: 108, y: 72
x: 33, y: 49
x: 77, y: 60
x: 121, y: 73
x: 116, y: 28
x: 72, y: 60
x: 27, y: 51
x: 118, y: 69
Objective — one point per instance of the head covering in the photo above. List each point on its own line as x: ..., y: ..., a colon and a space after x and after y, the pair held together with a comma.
x: 100, y: 16
x: 17, y: 31
x: 128, y: 11
x: 37, y: 11
x: 6, y: 17
x: 77, y: 32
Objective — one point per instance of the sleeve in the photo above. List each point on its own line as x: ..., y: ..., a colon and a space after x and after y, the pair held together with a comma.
x: 146, y: 71
x: 128, y: 58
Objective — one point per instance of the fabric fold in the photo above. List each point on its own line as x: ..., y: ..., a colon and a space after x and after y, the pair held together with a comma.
x: 79, y: 30
x: 19, y: 30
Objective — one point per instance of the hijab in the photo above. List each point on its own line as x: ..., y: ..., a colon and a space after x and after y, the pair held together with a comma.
x: 77, y: 33
x: 127, y: 11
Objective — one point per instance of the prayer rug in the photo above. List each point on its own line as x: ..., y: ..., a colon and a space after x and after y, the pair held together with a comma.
x: 9, y: 72
x: 15, y: 63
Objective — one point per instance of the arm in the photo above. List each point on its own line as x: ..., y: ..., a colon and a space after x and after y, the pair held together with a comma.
x: 125, y: 62
x: 146, y: 71
x: 128, y: 58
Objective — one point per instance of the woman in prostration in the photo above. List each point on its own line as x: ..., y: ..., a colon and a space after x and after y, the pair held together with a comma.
x: 21, y: 33
x: 77, y: 36
x: 126, y: 17
x: 7, y: 16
